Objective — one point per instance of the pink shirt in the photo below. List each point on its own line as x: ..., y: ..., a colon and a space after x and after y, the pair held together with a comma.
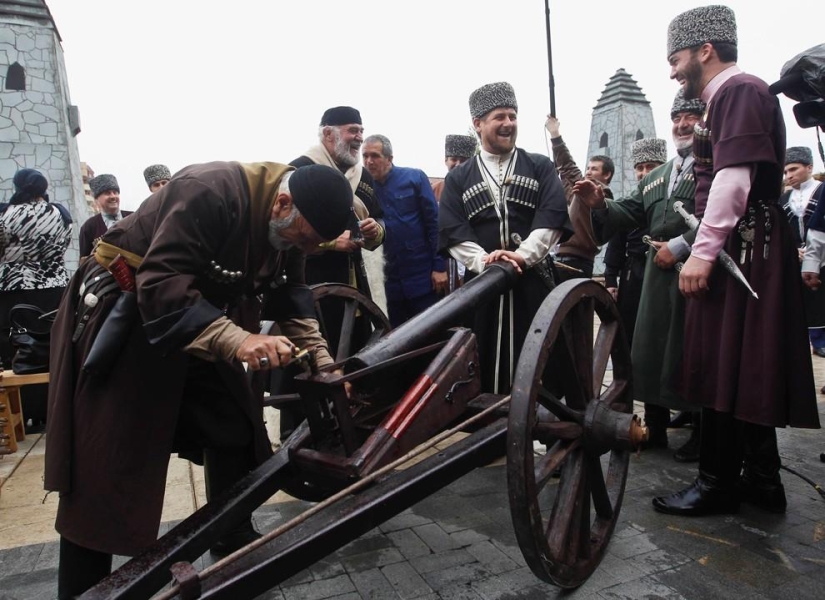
x: 728, y: 195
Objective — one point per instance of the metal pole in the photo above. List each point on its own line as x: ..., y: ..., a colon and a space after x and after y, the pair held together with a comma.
x: 550, y: 59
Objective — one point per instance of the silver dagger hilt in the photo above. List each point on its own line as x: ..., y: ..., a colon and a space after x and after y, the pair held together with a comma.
x: 649, y: 241
x: 691, y: 220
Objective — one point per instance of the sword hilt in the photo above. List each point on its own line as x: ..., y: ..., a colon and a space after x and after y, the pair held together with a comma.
x: 691, y: 220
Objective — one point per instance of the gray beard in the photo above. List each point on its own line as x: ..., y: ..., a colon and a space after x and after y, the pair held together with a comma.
x: 275, y: 228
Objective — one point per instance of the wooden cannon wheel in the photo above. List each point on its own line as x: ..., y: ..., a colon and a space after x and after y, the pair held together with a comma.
x: 350, y: 341
x: 564, y: 417
x: 355, y: 304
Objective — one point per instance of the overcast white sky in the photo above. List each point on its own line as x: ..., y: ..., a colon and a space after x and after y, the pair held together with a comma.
x: 187, y: 81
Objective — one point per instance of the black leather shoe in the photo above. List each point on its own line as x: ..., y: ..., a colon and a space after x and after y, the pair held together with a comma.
x: 235, y: 540
x: 682, y: 419
x: 767, y: 495
x: 700, y: 498
x: 689, y: 451
x: 820, y: 352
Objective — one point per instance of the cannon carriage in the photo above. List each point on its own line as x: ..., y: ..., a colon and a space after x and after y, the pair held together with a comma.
x: 567, y: 430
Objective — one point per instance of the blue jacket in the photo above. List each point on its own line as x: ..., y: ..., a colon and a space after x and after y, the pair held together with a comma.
x: 411, y: 242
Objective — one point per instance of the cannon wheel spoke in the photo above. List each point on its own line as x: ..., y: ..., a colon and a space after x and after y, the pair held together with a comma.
x: 563, y: 530
x: 350, y: 341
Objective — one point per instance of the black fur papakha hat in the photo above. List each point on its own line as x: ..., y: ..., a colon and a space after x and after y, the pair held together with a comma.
x: 799, y: 154
x: 463, y: 146
x: 648, y: 150
x: 695, y: 106
x: 490, y: 96
x: 715, y: 23
x: 103, y: 183
x: 154, y: 173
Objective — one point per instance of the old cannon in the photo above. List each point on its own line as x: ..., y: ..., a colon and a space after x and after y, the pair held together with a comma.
x: 408, y: 390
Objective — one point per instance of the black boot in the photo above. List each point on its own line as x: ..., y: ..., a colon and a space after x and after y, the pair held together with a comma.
x: 760, y: 484
x: 222, y: 467
x: 682, y: 419
x: 80, y: 569
x: 714, y: 490
x: 689, y: 451
x: 656, y: 421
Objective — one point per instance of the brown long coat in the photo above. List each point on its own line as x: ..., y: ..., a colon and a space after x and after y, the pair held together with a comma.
x: 109, y: 438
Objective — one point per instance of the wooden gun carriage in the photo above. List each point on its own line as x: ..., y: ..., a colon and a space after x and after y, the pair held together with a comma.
x: 408, y: 389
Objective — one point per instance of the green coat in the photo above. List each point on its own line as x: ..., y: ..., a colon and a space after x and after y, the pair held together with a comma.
x: 657, y: 340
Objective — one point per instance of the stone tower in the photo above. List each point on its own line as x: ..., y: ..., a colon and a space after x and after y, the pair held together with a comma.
x: 621, y: 116
x: 38, y: 123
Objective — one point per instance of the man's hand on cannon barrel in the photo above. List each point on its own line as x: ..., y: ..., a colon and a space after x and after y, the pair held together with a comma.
x: 811, y: 280
x: 514, y: 258
x: 664, y: 258
x: 590, y: 193
x: 266, y: 351
x: 693, y: 279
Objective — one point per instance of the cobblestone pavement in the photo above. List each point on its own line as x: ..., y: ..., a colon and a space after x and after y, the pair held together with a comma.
x: 459, y: 544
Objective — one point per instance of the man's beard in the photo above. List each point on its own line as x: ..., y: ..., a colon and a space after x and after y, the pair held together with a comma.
x: 342, y: 151
x: 276, y: 226
x: 693, y: 79
x: 683, y: 147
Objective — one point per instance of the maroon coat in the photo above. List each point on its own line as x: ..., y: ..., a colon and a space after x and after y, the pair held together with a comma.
x: 109, y: 438
x: 745, y: 356
x: 93, y: 228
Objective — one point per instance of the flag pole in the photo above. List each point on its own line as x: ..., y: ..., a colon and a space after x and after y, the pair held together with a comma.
x: 550, y: 59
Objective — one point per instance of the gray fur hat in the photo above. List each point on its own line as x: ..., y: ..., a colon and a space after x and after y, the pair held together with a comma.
x: 695, y: 106
x: 799, y: 154
x: 648, y: 150
x: 103, y: 183
x: 490, y: 96
x: 154, y: 173
x: 699, y: 26
x: 460, y: 145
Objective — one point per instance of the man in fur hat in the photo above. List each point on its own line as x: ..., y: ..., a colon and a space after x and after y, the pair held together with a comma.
x: 156, y: 176
x: 574, y: 258
x: 458, y: 149
x: 747, y: 362
x: 624, y: 257
x: 504, y: 188
x: 799, y: 204
x: 657, y: 349
x: 106, y: 192
x: 201, y: 262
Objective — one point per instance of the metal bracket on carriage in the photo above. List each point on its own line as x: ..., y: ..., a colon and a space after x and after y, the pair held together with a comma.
x: 430, y: 399
x: 188, y: 580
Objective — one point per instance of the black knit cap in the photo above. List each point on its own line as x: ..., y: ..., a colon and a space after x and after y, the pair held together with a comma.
x: 28, y: 185
x: 323, y: 196
x: 341, y: 115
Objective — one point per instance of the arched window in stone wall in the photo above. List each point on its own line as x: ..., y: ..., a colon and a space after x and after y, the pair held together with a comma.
x: 603, y: 140
x: 639, y: 134
x: 16, y: 77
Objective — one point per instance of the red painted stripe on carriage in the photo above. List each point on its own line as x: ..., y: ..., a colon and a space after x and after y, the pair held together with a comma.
x: 415, y: 412
x: 407, y: 403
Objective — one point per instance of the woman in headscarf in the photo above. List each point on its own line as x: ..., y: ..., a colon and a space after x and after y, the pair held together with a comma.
x: 34, y: 235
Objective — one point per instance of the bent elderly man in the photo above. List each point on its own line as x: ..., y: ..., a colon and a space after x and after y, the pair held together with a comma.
x: 206, y: 257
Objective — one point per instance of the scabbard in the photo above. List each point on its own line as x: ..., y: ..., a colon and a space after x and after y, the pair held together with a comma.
x: 112, y: 336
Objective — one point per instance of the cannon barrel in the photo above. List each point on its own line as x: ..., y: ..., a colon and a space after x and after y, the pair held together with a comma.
x: 430, y: 325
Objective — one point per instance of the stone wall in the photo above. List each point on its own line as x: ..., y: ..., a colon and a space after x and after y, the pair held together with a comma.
x: 34, y: 122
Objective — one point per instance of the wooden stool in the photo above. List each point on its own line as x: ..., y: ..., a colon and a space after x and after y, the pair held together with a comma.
x: 12, y: 423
